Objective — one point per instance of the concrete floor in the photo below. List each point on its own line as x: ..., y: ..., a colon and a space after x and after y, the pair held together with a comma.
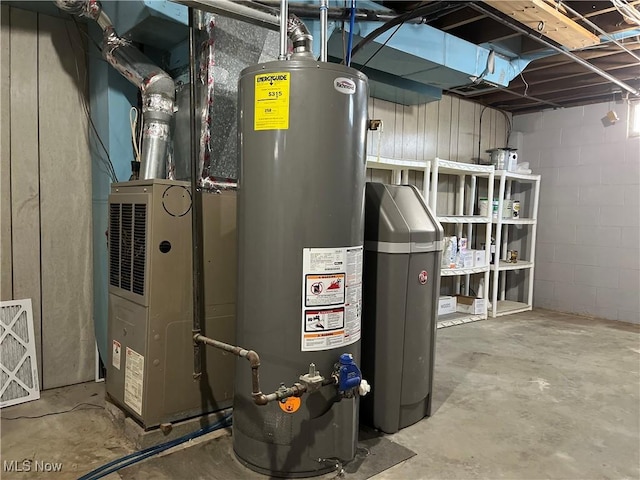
x: 533, y: 395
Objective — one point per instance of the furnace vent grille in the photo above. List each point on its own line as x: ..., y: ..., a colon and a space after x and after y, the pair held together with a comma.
x: 128, y: 246
x: 18, y: 366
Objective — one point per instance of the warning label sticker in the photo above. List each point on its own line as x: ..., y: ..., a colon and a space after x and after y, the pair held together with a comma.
x: 324, y: 290
x: 332, y: 298
x: 272, y: 101
x: 133, y: 380
x: 115, y: 354
x: 324, y: 320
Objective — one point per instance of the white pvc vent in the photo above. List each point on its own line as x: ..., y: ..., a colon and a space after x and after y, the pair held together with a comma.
x: 18, y: 365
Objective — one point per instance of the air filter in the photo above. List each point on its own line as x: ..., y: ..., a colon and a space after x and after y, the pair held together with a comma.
x: 18, y: 365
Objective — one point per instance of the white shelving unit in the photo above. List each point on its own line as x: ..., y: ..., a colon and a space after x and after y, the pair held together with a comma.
x: 399, y: 168
x: 508, y: 181
x: 464, y: 220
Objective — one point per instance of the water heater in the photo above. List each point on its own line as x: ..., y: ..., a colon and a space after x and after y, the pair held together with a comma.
x: 302, y: 130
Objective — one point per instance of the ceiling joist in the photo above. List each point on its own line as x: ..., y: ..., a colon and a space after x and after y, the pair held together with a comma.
x: 539, y: 16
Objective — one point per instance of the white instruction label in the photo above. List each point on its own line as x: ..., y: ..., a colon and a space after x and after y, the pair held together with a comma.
x: 115, y: 354
x: 133, y: 380
x: 332, y: 297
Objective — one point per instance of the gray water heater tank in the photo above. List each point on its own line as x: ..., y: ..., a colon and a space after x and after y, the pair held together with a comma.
x: 302, y: 129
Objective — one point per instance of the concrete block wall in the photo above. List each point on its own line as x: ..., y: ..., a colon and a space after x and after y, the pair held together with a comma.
x: 588, y: 242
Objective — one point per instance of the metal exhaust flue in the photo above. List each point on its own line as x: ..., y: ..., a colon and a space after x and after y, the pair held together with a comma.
x: 157, y: 86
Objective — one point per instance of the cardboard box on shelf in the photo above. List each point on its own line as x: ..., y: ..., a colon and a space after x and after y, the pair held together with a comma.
x: 446, y: 305
x: 472, y: 305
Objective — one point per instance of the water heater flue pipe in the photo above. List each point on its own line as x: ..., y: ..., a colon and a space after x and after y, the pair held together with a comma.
x: 157, y: 86
x: 259, y: 398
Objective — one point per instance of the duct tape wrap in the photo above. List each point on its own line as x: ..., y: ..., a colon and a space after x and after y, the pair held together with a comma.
x: 157, y: 103
x: 159, y: 130
x: 93, y: 9
x: 113, y: 41
x: 217, y: 185
x: 205, y: 87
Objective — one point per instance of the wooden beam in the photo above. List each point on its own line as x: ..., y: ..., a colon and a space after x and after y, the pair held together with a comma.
x: 539, y: 16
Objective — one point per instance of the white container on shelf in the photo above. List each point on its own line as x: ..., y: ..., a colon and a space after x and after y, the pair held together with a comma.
x: 446, y: 305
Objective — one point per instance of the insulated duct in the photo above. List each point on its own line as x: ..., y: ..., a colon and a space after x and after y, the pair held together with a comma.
x: 156, y: 86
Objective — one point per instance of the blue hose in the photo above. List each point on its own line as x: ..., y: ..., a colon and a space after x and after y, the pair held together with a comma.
x: 352, y: 22
x: 135, y: 457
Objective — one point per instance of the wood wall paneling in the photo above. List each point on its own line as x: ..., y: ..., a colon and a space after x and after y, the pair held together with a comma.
x: 25, y: 168
x: 454, y: 129
x: 443, y: 147
x: 6, y: 267
x: 448, y: 129
x: 410, y: 132
x: 386, y: 111
x: 432, y: 127
x: 65, y: 204
x: 466, y: 129
x: 421, y: 140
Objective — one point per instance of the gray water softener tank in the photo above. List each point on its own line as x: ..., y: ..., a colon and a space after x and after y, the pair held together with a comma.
x: 403, y: 248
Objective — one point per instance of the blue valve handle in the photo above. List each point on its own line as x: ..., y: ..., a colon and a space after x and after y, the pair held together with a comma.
x: 349, y: 374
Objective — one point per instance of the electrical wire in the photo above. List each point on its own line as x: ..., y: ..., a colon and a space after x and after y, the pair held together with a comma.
x: 132, y: 458
x: 92, y: 406
x: 382, y: 46
x: 133, y: 122
x: 82, y: 83
x: 526, y: 85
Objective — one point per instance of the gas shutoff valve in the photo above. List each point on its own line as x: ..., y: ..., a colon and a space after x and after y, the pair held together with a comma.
x: 349, y: 377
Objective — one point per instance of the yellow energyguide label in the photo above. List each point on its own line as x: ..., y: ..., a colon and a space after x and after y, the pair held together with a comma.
x: 272, y: 101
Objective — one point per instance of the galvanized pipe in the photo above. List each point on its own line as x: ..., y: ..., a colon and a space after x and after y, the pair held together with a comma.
x: 558, y: 49
x: 323, y: 30
x: 283, y: 29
